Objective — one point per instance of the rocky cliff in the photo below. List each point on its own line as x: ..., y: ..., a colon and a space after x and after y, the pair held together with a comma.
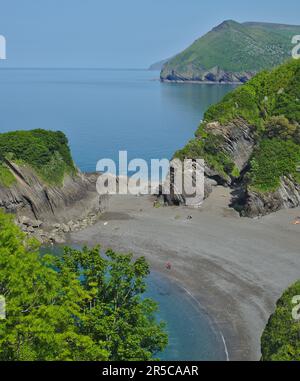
x: 41, y: 185
x: 250, y: 142
x: 286, y: 196
x: 198, y: 74
x: 49, y: 211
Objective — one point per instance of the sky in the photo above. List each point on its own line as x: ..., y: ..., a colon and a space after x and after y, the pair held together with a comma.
x: 120, y: 33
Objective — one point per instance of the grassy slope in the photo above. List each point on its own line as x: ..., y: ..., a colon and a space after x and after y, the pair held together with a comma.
x: 47, y: 152
x: 280, y: 340
x: 238, y: 48
x: 270, y: 102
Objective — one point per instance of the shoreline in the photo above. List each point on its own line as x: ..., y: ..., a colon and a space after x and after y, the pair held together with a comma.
x: 200, y: 82
x: 215, y: 329
x: 214, y: 326
x: 235, y: 268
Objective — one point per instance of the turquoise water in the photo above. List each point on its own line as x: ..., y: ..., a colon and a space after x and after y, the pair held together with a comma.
x: 104, y: 111
x: 191, y: 335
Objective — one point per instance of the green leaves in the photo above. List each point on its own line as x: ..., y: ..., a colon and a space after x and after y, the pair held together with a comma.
x: 281, y: 338
x: 79, y: 306
x: 272, y: 159
x: 45, y: 151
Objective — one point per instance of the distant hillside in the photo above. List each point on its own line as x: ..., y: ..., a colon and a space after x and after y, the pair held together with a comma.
x: 157, y: 66
x: 232, y: 52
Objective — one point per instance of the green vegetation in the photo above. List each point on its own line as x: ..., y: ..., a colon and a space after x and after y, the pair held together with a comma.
x: 234, y: 47
x: 281, y: 338
x: 7, y: 179
x: 270, y: 104
x: 47, y: 152
x: 273, y: 159
x: 80, y: 306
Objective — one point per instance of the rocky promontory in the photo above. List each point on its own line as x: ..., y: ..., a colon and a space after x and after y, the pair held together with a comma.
x: 48, y: 201
x: 232, y: 52
x: 250, y: 142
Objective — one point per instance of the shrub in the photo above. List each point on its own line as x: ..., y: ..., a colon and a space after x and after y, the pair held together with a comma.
x: 271, y: 160
x: 281, y: 338
x: 45, y: 151
x: 7, y: 179
x: 280, y: 127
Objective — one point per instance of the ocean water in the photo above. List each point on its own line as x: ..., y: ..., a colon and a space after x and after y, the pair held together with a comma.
x: 105, y: 111
x: 192, y: 337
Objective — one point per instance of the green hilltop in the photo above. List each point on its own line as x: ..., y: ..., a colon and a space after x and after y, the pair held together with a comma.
x: 46, y: 152
x: 232, y: 52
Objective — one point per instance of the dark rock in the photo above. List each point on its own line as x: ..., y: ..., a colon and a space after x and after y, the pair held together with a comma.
x: 238, y: 140
x: 34, y: 199
x: 37, y: 204
x: 260, y: 204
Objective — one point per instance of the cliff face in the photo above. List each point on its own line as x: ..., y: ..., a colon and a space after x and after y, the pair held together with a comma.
x: 47, y: 211
x: 260, y: 204
x: 238, y: 142
x: 232, y: 52
x: 250, y: 142
x: 41, y: 185
x: 237, y: 139
x: 197, y: 74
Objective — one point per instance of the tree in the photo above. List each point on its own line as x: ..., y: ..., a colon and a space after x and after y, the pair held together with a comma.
x: 281, y: 338
x: 80, y: 306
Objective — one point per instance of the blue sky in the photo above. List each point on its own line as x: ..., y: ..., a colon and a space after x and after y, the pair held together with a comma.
x: 120, y: 33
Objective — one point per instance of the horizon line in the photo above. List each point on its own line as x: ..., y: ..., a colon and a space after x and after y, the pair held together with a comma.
x: 69, y: 68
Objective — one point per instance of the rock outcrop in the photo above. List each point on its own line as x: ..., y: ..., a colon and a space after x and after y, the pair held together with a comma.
x: 213, y: 75
x: 49, y: 212
x: 250, y: 141
x: 238, y: 142
x: 260, y: 204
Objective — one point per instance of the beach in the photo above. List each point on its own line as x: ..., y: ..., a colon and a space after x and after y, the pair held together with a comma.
x: 235, y: 268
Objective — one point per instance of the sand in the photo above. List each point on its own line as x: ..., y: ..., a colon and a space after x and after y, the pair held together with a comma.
x: 236, y: 268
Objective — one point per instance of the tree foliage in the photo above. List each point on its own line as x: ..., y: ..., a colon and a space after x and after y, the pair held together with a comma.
x: 78, y: 306
x: 45, y: 151
x: 281, y: 338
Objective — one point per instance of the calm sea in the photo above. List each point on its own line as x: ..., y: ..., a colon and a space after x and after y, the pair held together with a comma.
x: 105, y: 111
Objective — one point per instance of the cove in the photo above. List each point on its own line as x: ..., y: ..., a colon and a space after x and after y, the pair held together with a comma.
x: 192, y: 336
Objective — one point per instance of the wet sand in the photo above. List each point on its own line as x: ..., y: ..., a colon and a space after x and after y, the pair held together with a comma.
x: 236, y: 268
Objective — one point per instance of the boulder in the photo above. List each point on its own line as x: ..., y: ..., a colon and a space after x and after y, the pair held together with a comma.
x: 260, y: 204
